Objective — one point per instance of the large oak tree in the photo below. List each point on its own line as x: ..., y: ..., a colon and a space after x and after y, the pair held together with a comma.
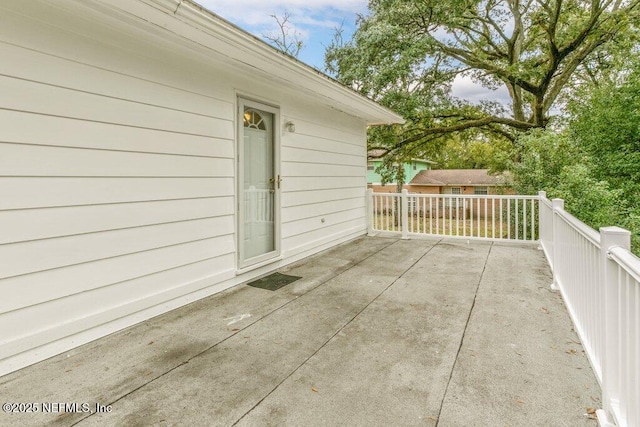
x: 406, y: 54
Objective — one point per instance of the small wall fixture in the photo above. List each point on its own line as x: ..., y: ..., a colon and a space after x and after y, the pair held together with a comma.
x: 290, y: 127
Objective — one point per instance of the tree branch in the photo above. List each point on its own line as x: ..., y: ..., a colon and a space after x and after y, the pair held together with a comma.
x: 465, y: 125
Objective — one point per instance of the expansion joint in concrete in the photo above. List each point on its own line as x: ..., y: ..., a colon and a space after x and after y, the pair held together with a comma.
x: 464, y: 332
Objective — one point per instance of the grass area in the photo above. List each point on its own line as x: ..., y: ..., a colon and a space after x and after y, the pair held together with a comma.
x: 476, y: 227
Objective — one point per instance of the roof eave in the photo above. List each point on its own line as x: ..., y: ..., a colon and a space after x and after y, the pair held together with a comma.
x: 242, y: 47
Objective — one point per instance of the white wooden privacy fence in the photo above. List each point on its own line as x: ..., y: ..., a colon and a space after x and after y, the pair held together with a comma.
x: 495, y: 217
x: 597, y: 275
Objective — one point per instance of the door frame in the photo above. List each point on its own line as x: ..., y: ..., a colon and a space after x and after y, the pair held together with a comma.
x: 254, y: 262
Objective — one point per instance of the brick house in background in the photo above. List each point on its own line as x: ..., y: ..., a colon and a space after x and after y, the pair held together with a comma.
x: 459, y: 181
x: 466, y: 182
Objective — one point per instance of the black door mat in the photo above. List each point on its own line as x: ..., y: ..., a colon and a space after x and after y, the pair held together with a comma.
x: 274, y: 281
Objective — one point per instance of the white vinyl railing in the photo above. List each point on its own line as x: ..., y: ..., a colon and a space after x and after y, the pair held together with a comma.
x: 494, y: 217
x: 599, y: 279
x: 577, y: 273
x: 621, y: 371
x: 596, y: 273
x: 621, y: 367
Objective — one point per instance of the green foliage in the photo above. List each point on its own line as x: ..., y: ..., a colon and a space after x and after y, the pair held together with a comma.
x: 596, y: 203
x: 460, y: 152
x: 593, y: 202
x: 390, y: 170
x: 594, y: 164
x: 406, y: 54
x: 606, y: 125
x: 542, y: 155
x: 556, y: 163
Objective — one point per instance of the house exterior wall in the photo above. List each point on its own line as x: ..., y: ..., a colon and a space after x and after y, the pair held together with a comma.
x: 117, y: 176
x: 423, y: 189
x: 477, y: 211
x: 466, y: 190
x: 430, y: 189
x: 372, y: 175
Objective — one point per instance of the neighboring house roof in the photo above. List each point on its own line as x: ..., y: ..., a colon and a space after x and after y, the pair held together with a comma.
x: 379, y: 154
x: 218, y: 40
x: 458, y: 177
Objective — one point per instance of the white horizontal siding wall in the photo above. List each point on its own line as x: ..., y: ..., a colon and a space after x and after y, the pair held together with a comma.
x: 323, y: 169
x: 116, y: 181
x: 117, y: 186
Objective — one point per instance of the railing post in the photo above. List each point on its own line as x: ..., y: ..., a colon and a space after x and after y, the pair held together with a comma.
x: 404, y: 211
x: 370, y: 213
x: 610, y: 237
x: 557, y: 204
x: 541, y: 195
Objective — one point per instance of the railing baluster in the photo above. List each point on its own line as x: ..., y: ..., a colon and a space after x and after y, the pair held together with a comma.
x: 438, y: 215
x: 501, y: 219
x: 493, y: 218
x: 508, y: 217
x: 479, y: 218
x: 379, y: 212
x: 524, y: 220
x: 423, y: 203
x: 430, y: 215
x: 485, y: 218
x: 471, y: 218
x: 464, y: 217
x: 457, y: 216
x: 533, y: 219
x: 517, y: 219
x: 410, y: 208
x: 386, y: 201
x: 450, y: 215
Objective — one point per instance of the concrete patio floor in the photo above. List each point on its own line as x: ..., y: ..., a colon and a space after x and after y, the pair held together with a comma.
x: 378, y: 331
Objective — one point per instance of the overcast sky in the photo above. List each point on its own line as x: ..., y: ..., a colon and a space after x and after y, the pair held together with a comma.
x: 315, y: 22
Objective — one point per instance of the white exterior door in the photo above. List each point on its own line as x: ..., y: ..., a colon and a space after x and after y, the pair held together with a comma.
x: 259, y: 183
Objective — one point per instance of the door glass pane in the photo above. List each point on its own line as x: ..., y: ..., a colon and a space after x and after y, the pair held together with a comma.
x: 259, y: 183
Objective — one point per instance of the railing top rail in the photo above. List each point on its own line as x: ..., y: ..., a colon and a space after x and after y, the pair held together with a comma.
x: 628, y: 261
x: 464, y: 196
x: 376, y: 193
x: 580, y: 227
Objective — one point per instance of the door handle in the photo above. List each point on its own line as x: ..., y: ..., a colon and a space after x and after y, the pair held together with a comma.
x: 276, y: 181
